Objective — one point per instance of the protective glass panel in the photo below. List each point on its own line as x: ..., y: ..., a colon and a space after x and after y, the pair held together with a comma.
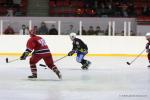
x: 45, y: 27
x: 92, y: 27
x: 67, y: 27
x: 10, y: 27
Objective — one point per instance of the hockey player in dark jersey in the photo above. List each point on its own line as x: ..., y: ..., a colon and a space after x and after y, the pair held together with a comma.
x: 147, y: 47
x: 81, y: 49
x: 40, y: 51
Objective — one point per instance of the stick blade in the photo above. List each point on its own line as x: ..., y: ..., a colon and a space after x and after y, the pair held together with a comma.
x: 42, y: 65
x: 128, y: 63
x: 6, y: 60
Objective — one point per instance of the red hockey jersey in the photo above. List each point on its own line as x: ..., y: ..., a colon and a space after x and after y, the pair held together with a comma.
x: 37, y: 44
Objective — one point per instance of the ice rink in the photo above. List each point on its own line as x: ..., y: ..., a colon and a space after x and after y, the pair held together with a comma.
x: 108, y: 78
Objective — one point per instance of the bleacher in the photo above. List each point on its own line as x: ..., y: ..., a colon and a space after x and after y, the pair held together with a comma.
x: 83, y: 8
x: 69, y: 8
x: 138, y: 11
x: 17, y: 9
x: 98, y: 8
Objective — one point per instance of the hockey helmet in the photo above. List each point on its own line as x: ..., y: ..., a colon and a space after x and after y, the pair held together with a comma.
x: 72, y: 36
x: 147, y: 35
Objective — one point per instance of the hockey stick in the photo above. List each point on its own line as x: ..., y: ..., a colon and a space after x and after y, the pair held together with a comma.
x: 42, y: 65
x: 129, y: 63
x: 9, y: 61
x: 60, y: 58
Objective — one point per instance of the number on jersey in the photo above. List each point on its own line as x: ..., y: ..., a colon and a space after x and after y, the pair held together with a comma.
x: 42, y: 42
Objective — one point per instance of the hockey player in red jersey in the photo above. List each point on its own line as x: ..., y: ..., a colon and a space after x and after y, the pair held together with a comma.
x: 147, y: 47
x: 40, y: 51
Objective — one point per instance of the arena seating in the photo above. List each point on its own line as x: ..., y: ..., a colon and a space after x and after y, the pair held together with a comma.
x: 21, y: 8
x: 86, y: 8
x: 119, y: 8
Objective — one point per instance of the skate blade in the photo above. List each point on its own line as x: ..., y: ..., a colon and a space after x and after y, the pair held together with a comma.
x: 60, y: 77
x: 32, y: 79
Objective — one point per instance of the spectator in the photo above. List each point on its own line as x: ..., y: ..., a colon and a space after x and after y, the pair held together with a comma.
x: 102, y: 11
x: 83, y: 31
x: 35, y: 29
x: 91, y: 31
x: 110, y: 9
x: 131, y: 10
x: 132, y: 33
x: 24, y: 30
x: 70, y: 30
x: 122, y: 33
x: 146, y: 11
x: 124, y: 12
x: 9, y: 30
x: 98, y: 31
x: 53, y: 30
x: 10, y: 12
x: 43, y: 30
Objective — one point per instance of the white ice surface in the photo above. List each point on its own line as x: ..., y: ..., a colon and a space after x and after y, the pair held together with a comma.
x: 108, y: 78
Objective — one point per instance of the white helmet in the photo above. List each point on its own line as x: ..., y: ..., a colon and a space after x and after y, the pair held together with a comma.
x: 147, y: 35
x: 72, y: 36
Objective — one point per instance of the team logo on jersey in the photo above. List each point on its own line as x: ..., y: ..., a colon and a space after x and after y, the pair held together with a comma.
x: 77, y: 43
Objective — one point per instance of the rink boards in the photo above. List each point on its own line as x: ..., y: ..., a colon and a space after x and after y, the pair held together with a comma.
x: 14, y: 45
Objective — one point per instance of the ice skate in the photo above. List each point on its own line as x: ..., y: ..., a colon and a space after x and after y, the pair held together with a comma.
x: 32, y: 76
x: 58, y: 73
x: 148, y: 66
x: 86, y: 65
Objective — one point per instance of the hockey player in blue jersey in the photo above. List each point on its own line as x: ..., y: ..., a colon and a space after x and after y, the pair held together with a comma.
x: 81, y: 49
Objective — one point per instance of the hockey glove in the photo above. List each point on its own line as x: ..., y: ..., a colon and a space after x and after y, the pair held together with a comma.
x: 24, y: 56
x: 71, y: 53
